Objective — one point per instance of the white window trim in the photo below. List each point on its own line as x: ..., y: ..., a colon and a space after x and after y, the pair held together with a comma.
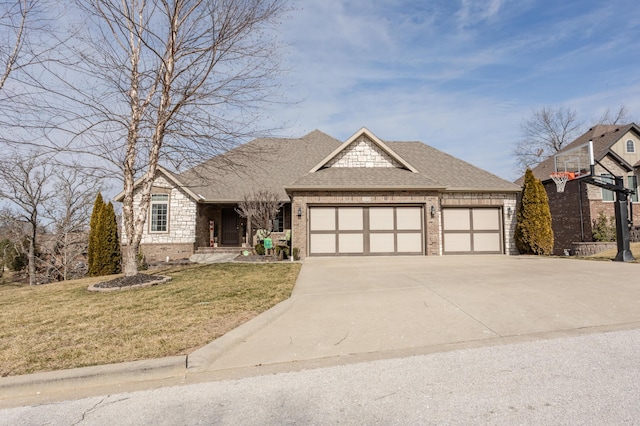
x: 152, y: 202
x: 626, y: 146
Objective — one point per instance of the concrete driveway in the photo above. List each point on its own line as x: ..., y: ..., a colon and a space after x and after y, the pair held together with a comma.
x: 370, y: 308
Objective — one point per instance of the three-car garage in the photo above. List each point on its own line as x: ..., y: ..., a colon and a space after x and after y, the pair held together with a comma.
x: 401, y: 230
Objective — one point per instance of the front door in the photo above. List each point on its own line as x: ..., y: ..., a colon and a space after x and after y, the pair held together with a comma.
x: 230, y: 226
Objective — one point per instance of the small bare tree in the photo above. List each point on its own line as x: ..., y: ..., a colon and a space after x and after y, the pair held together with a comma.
x: 260, y: 208
x: 23, y: 183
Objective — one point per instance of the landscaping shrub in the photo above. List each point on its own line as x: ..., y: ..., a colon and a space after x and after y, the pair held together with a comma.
x: 604, y: 228
x: 296, y: 253
x: 259, y: 249
x: 533, y: 233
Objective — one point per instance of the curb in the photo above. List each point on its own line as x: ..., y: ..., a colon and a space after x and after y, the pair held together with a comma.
x: 92, y: 377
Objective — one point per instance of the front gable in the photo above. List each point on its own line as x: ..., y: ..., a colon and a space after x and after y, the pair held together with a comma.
x: 627, y: 147
x: 363, y: 150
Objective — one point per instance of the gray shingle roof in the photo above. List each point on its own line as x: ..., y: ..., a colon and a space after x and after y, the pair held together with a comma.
x: 604, y: 136
x: 450, y: 172
x: 285, y: 164
x: 269, y: 163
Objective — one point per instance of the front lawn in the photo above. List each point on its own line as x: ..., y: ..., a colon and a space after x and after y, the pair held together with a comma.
x: 62, y: 325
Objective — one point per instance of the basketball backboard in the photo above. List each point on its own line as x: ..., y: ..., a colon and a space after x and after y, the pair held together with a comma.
x: 576, y: 160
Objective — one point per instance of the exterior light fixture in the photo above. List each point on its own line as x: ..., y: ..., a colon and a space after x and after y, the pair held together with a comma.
x: 433, y: 211
x: 509, y: 211
x: 299, y: 211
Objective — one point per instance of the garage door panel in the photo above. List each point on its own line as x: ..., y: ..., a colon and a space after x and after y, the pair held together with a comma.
x: 381, y: 219
x: 381, y: 243
x: 410, y: 242
x: 409, y: 218
x: 322, y: 243
x: 458, y: 242
x: 351, y: 243
x: 350, y: 219
x: 322, y: 219
x: 486, y: 219
x: 456, y: 219
x: 486, y: 242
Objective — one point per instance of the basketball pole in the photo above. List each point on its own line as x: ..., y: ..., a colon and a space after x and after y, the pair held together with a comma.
x: 623, y: 236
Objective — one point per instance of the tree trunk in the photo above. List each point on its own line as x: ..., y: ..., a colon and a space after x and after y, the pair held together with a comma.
x: 32, y: 256
x: 130, y: 260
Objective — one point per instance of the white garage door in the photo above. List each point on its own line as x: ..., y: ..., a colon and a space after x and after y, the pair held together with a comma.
x: 471, y: 230
x: 358, y: 230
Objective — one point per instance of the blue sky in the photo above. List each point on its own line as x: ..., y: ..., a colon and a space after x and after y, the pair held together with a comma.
x: 459, y: 75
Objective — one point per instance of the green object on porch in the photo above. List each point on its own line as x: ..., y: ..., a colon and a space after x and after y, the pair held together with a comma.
x: 268, y: 244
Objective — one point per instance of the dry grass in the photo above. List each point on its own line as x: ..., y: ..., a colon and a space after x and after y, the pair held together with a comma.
x: 611, y: 254
x: 58, y: 326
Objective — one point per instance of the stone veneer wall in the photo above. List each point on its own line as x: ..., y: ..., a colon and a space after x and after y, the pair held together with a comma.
x: 178, y: 242
x: 473, y: 199
x: 363, y: 153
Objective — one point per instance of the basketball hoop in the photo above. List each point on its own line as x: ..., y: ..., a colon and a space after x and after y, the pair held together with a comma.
x: 561, y: 178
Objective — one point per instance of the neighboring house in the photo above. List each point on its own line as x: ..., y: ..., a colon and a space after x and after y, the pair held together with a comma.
x: 575, y: 210
x: 360, y: 197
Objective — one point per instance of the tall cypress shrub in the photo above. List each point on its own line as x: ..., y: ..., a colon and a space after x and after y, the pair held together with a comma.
x: 534, y: 234
x: 110, y: 242
x: 94, y: 238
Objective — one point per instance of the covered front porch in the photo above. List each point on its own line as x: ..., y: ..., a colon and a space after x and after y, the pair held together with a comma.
x: 219, y: 227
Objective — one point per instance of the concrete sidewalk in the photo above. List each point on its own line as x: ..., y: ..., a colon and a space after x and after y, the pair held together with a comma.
x: 354, y: 309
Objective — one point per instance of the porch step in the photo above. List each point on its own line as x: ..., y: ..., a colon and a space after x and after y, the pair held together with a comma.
x: 220, y: 250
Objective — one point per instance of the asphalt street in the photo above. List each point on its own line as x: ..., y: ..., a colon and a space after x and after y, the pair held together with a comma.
x: 587, y: 379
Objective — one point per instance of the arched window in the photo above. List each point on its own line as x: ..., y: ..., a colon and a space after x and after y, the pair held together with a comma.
x: 631, y: 146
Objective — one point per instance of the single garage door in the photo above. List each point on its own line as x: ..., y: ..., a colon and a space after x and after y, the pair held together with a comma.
x: 364, y: 231
x: 472, y: 230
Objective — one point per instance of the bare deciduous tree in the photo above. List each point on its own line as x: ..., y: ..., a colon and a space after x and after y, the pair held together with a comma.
x: 69, y: 212
x: 260, y: 208
x: 23, y: 183
x: 546, y: 132
x: 167, y: 82
x: 621, y: 116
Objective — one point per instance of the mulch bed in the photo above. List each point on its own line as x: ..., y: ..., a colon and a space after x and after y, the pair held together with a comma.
x: 121, y: 283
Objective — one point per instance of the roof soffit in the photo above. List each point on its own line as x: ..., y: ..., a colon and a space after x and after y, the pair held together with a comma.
x: 353, y: 140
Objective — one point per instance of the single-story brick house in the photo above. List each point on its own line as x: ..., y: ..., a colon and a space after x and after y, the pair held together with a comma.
x: 575, y: 210
x: 358, y: 197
